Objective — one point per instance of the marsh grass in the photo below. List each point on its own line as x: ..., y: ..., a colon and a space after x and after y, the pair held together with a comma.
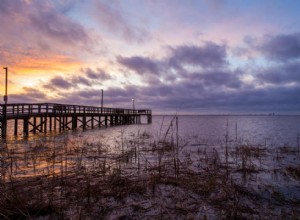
x: 141, y: 178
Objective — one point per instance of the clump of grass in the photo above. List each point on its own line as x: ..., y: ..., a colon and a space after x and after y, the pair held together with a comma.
x: 245, y: 156
x: 286, y: 149
x: 294, y: 172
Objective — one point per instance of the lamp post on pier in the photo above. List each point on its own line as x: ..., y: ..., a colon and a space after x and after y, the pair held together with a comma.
x: 4, y: 108
x: 5, y: 96
x: 133, y: 104
x: 101, y: 101
x: 101, y: 98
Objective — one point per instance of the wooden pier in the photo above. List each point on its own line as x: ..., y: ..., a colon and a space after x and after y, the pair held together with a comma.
x: 44, y: 117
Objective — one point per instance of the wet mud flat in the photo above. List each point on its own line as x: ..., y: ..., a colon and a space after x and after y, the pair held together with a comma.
x: 141, y: 177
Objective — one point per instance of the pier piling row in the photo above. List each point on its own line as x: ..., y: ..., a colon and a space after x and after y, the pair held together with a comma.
x: 44, y: 117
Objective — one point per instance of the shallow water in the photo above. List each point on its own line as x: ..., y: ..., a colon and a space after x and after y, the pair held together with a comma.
x: 262, y: 152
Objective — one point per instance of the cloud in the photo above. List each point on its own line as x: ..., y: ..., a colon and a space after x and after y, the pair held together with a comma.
x: 141, y: 65
x: 110, y: 16
x: 211, y: 91
x: 59, y: 82
x: 282, y: 47
x: 210, y: 79
x: 59, y: 27
x: 43, y: 18
x: 29, y: 95
x: 85, y: 77
x: 210, y: 55
x: 190, y: 80
x: 202, y: 63
x: 80, y: 80
x: 96, y: 74
x: 280, y: 74
x: 39, y: 34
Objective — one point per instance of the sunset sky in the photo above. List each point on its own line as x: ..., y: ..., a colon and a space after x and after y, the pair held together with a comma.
x: 191, y: 56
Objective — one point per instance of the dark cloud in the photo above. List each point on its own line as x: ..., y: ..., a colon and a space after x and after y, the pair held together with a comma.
x: 141, y: 65
x: 281, y: 47
x: 280, y: 74
x: 86, y: 77
x: 192, y: 98
x: 59, y: 82
x: 210, y: 55
x: 216, y: 78
x: 29, y: 95
x: 96, y: 74
x: 207, y: 58
x: 176, y: 66
x: 59, y: 27
x: 80, y: 80
x: 42, y: 18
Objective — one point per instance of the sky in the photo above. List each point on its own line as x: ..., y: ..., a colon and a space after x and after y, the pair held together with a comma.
x: 171, y: 56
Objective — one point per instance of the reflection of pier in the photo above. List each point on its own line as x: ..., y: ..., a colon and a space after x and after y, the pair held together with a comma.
x: 44, y: 117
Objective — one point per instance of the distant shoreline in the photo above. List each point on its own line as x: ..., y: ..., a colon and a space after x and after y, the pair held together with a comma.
x: 226, y: 115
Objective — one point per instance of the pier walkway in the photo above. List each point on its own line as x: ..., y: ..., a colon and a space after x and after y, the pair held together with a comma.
x: 44, y: 117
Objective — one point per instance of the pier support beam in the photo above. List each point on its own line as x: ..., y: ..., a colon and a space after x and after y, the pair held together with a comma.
x: 26, y: 126
x: 3, y: 128
x: 16, y: 127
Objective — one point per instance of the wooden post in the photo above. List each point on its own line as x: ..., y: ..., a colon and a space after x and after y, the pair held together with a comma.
x: 59, y: 121
x: 149, y: 119
x: 74, y: 122
x: 25, y: 126
x: 111, y: 120
x: 63, y: 122
x: 55, y: 120
x: 83, y: 122
x: 34, y: 125
x: 105, y: 121
x: 16, y: 127
x: 45, y: 124
x: 50, y: 123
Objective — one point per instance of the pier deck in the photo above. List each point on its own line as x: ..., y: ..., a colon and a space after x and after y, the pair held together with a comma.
x: 43, y: 117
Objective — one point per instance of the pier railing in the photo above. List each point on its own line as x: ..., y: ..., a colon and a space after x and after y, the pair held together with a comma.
x: 25, y: 109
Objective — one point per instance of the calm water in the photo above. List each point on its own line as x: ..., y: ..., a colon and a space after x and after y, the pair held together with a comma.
x: 271, y: 131
x: 265, y: 130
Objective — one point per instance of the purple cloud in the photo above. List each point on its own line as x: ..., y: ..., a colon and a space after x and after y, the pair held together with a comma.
x: 280, y: 74
x: 282, y: 47
x: 59, y: 82
x: 217, y: 79
x: 29, y: 95
x: 141, y: 65
x: 80, y: 80
x: 96, y: 74
x: 58, y: 27
x: 110, y: 16
x: 44, y: 18
x: 210, y: 55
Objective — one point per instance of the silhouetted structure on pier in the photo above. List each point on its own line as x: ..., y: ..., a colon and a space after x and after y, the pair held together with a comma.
x: 43, y: 117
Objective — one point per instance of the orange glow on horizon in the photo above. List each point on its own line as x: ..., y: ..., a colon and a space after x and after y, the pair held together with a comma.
x: 33, y: 71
